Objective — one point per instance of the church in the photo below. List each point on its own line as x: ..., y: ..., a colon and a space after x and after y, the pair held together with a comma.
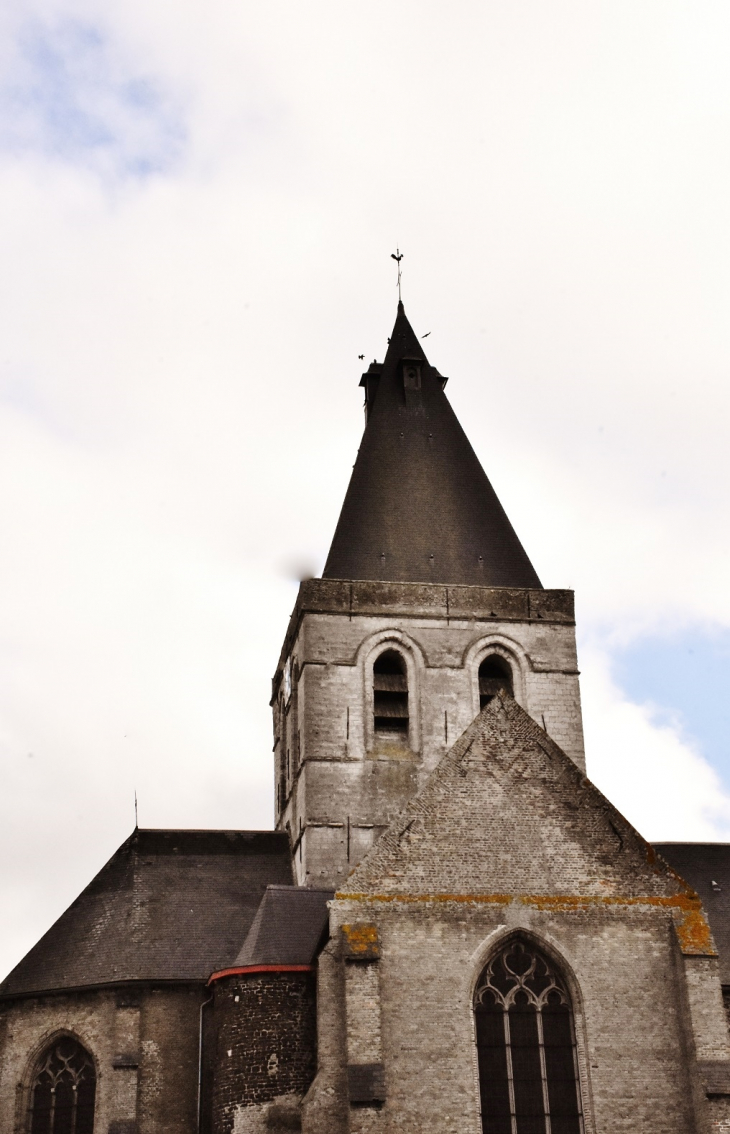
x: 450, y: 929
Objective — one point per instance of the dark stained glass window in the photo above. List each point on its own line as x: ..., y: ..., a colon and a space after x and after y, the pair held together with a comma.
x: 528, y: 1071
x: 63, y: 1090
x: 390, y: 696
x: 494, y: 675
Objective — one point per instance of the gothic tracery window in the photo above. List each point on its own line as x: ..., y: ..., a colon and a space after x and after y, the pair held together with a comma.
x: 528, y: 1071
x: 63, y: 1090
x: 390, y: 696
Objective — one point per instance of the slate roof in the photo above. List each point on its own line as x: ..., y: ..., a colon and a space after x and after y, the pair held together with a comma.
x: 701, y: 864
x: 168, y: 906
x: 288, y: 927
x: 419, y: 507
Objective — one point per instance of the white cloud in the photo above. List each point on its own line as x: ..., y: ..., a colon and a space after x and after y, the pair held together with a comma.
x: 66, y: 95
x: 649, y: 770
x: 178, y: 375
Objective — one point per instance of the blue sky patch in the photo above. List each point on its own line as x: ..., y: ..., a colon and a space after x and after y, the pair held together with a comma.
x: 70, y: 97
x: 686, y: 679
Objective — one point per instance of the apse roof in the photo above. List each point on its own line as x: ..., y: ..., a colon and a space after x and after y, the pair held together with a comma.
x: 168, y: 906
x: 419, y: 506
x: 706, y: 866
x: 288, y: 927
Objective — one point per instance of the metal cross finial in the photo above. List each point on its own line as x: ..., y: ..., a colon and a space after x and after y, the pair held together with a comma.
x: 397, y: 256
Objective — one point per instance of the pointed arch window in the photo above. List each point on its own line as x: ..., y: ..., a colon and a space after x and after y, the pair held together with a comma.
x: 63, y: 1090
x: 390, y: 696
x: 528, y: 1069
x: 494, y: 675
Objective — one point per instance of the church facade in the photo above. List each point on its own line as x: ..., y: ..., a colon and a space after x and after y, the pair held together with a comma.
x: 450, y: 929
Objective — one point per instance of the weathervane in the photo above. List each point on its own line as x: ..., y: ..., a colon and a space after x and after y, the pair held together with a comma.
x: 397, y: 256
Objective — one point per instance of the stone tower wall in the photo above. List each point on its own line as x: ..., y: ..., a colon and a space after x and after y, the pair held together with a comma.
x: 338, y: 784
x: 264, y: 1052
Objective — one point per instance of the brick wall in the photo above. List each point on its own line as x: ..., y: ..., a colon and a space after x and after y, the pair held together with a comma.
x: 144, y: 1042
x: 262, y: 1037
x: 623, y: 977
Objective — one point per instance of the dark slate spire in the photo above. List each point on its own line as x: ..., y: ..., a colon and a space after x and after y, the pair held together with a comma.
x: 419, y: 507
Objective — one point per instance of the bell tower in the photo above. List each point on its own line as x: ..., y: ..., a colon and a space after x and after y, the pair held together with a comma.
x: 427, y: 605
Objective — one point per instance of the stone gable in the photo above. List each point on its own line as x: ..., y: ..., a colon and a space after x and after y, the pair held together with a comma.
x: 507, y: 816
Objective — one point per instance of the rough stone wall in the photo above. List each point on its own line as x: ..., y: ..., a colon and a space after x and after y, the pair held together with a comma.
x: 169, y: 1061
x: 144, y: 1042
x: 326, y: 1108
x: 263, y: 1047
x: 508, y: 836
x: 621, y: 969
x: 719, y: 1110
x: 507, y: 813
x: 706, y: 1009
x: 338, y: 785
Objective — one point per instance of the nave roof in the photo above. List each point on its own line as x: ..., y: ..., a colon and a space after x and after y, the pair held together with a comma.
x: 168, y: 906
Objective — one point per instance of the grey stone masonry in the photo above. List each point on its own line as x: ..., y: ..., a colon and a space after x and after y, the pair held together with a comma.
x: 265, y: 1047
x: 508, y: 838
x: 142, y: 1039
x: 338, y: 782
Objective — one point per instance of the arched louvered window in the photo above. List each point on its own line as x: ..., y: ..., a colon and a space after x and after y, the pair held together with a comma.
x: 63, y: 1090
x: 528, y: 1070
x: 494, y: 675
x: 390, y: 696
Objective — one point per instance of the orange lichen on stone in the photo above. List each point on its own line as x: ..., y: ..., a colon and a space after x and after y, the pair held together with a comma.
x: 490, y: 899
x: 693, y: 930
x: 694, y: 934
x: 360, y: 941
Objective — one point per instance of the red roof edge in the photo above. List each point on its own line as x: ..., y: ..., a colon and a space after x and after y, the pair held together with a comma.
x: 260, y: 969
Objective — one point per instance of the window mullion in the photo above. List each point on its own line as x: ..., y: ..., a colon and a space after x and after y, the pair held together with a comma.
x: 543, y: 1072
x: 576, y: 1071
x: 510, y: 1074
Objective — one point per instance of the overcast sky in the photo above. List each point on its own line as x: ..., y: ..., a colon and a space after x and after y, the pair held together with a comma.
x: 198, y: 202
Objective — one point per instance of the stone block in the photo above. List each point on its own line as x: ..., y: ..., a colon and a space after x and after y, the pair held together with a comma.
x: 366, y: 1083
x: 360, y: 942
